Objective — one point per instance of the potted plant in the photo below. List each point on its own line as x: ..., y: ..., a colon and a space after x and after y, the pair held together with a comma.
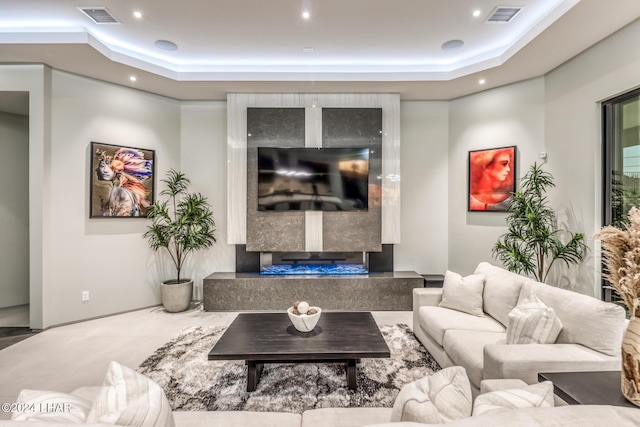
x: 182, y: 223
x: 533, y: 242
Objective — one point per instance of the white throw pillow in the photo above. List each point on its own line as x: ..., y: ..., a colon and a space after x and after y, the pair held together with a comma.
x: 531, y: 321
x: 439, y: 398
x: 463, y: 293
x: 532, y: 396
x: 50, y: 406
x: 131, y: 399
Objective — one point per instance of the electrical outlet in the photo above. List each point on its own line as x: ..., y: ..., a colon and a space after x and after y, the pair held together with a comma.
x: 85, y: 295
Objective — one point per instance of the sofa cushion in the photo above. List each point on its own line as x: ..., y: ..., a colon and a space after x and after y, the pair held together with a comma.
x: 465, y: 348
x: 501, y: 290
x: 526, y: 360
x: 131, y: 399
x: 559, y: 416
x: 238, y: 419
x: 463, y: 293
x: 435, y: 321
x: 531, y: 321
x: 586, y: 320
x: 67, y: 408
x: 438, y: 398
x: 342, y: 417
x: 533, y: 396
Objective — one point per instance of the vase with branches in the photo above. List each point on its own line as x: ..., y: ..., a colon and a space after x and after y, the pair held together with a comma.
x: 621, y: 257
x: 534, y: 242
x: 181, y: 224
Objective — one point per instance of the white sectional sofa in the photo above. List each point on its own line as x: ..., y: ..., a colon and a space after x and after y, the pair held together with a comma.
x: 589, y: 340
x: 584, y: 416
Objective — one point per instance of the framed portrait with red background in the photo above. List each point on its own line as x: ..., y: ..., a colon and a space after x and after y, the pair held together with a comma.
x: 491, y: 179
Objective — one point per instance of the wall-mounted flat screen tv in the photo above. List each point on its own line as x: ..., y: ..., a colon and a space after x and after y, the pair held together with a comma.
x: 313, y: 179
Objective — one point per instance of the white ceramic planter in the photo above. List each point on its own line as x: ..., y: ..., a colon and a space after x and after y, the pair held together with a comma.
x: 176, y: 297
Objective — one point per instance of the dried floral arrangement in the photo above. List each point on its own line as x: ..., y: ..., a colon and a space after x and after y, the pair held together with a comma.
x: 621, y: 254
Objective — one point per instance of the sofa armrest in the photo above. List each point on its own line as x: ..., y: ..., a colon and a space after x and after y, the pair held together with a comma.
x: 426, y: 296
x: 525, y: 361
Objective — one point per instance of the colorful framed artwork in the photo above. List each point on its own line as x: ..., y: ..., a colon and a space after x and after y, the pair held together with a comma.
x: 121, y: 184
x: 491, y: 179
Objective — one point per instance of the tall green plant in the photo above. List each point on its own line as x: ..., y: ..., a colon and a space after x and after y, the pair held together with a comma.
x: 532, y: 243
x: 182, y: 223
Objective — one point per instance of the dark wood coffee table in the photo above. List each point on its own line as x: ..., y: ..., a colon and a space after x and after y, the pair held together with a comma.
x: 588, y: 388
x: 339, y: 337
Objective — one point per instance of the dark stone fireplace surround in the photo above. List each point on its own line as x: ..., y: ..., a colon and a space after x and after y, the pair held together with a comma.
x: 246, y: 289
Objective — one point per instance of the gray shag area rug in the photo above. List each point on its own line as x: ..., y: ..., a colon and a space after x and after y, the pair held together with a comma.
x: 193, y: 383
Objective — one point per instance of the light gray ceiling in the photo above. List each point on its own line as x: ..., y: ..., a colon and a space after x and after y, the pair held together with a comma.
x: 257, y: 46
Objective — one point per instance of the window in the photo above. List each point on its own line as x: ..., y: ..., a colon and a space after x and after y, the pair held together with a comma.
x: 621, y: 161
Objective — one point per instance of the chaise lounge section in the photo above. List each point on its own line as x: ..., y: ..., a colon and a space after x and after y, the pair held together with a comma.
x: 589, y: 340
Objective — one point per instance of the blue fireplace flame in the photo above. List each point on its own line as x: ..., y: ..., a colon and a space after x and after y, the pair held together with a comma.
x: 314, y: 269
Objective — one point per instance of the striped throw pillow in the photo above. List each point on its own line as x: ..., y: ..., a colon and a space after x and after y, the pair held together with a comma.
x: 531, y: 321
x: 130, y: 399
x: 439, y: 398
x: 532, y: 396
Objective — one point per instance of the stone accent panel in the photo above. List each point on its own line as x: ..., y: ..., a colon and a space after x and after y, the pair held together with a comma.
x: 376, y: 291
x: 272, y: 231
x: 355, y: 231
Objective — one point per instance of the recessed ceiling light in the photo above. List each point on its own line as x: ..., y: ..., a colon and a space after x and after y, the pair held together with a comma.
x: 481, y: 81
x: 476, y: 13
x: 166, y: 45
x: 452, y: 45
x: 133, y: 78
x: 307, y: 49
x: 137, y: 14
x: 306, y: 9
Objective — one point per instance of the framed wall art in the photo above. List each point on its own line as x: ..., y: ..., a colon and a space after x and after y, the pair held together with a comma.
x: 491, y: 179
x: 122, y: 181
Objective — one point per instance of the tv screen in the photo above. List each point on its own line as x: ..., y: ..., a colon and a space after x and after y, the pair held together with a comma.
x: 313, y: 179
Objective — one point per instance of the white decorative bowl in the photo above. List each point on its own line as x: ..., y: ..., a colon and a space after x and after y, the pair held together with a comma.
x: 304, y: 322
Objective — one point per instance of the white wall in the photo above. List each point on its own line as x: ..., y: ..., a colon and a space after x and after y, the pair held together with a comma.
x: 105, y: 256
x: 574, y: 135
x: 204, y: 160
x: 423, y: 245
x: 509, y: 115
x: 14, y: 209
x: 35, y: 79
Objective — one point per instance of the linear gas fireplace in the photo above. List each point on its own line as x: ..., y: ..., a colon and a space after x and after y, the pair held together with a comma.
x: 313, y: 263
x: 270, y: 264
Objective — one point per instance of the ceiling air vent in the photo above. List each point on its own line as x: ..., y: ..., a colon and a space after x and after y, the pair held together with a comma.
x: 503, y: 15
x: 99, y: 15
